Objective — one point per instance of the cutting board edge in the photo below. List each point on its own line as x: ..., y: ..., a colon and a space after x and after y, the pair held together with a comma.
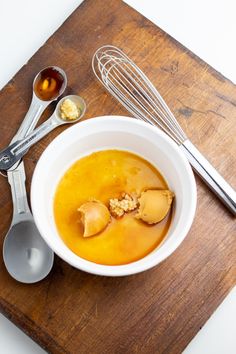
x: 30, y: 328
x: 20, y: 319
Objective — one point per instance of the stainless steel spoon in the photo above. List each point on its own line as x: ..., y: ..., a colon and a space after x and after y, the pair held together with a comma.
x: 15, y: 151
x: 27, y: 257
x: 37, y: 105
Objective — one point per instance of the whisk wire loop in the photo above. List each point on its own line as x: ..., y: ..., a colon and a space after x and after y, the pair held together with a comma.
x: 126, y: 82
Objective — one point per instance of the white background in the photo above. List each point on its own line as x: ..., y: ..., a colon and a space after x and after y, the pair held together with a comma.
x: 207, y: 27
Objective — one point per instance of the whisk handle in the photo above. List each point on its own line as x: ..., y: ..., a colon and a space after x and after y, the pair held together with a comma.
x: 210, y: 176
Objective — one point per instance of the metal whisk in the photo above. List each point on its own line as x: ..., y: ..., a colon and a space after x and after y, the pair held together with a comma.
x: 126, y: 82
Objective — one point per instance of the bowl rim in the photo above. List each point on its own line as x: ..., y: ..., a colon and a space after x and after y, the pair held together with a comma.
x: 144, y: 263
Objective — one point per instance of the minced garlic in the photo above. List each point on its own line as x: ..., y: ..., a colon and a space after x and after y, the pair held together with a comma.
x: 69, y: 110
x: 120, y: 206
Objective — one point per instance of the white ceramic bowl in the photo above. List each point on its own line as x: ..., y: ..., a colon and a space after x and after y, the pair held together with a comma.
x: 113, y: 132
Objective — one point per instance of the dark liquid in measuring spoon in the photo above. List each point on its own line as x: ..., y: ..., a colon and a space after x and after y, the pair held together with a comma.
x: 49, y: 84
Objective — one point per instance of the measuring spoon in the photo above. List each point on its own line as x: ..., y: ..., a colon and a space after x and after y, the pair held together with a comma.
x: 42, y: 97
x: 26, y: 255
x: 15, y: 151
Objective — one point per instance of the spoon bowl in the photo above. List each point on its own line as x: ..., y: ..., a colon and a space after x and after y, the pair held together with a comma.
x: 50, y: 83
x: 79, y: 102
x: 26, y: 255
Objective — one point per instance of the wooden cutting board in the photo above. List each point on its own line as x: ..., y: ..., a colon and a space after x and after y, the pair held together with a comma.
x: 158, y: 311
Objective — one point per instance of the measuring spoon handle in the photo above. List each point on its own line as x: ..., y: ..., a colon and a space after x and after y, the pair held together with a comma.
x: 15, y: 151
x: 35, y: 110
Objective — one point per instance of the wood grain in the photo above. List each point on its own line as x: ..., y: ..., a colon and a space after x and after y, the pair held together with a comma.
x: 158, y: 311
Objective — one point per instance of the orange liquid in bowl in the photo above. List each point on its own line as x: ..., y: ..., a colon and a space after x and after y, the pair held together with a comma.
x: 104, y: 175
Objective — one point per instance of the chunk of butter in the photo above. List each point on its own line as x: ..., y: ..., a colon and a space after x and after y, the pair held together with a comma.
x: 154, y: 205
x: 94, y: 216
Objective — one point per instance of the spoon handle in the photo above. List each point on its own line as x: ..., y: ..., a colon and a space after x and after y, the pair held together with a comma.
x: 16, y: 180
x: 15, y: 151
x: 35, y: 110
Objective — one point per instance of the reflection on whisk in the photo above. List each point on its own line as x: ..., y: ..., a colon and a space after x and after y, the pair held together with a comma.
x: 131, y: 87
